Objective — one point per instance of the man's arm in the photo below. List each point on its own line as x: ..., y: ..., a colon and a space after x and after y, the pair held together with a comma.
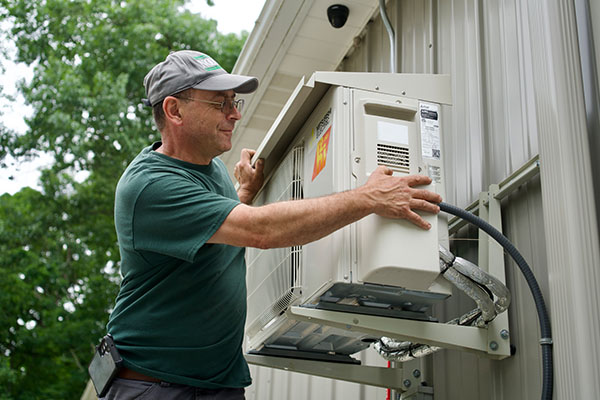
x: 299, y: 222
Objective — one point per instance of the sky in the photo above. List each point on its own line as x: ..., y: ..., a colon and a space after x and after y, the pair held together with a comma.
x: 19, y: 174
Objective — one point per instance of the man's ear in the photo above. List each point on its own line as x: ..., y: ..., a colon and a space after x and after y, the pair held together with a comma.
x: 171, y: 109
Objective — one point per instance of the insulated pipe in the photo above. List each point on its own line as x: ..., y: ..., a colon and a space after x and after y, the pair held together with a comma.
x: 446, y: 258
x: 390, y: 30
x: 474, y: 291
x: 475, y: 273
x: 393, y: 350
x: 467, y: 319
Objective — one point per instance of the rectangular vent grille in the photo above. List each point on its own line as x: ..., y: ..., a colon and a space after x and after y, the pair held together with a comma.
x: 394, y: 157
x: 274, y: 276
x: 297, y: 185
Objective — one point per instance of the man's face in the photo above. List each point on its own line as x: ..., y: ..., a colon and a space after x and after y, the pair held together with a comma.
x: 207, y: 125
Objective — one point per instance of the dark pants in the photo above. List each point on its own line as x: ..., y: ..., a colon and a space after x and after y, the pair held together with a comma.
x: 129, y: 389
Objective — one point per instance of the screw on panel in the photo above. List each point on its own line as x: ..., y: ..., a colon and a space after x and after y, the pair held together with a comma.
x: 357, y: 160
x: 403, y: 92
x: 355, y: 320
x: 376, y: 87
x: 416, y: 373
x: 493, y: 346
x: 504, y: 334
x: 406, y: 383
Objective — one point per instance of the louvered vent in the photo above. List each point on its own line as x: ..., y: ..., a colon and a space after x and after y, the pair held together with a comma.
x: 274, y: 276
x: 394, y: 157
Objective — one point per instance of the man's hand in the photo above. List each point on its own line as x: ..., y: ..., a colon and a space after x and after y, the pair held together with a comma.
x: 395, y: 197
x: 250, y: 178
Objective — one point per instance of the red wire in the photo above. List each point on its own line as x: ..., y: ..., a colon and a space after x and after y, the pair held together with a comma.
x: 389, y: 391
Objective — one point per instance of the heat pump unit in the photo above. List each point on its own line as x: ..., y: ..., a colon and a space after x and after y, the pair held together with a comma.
x: 333, y: 132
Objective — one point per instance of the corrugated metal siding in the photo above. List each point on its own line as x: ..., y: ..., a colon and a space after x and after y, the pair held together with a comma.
x: 571, y: 230
x: 489, y: 132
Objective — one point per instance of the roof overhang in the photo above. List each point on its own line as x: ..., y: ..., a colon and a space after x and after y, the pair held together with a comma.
x: 290, y: 40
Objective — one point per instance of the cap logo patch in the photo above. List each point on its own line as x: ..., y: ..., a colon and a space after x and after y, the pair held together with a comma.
x: 207, y: 63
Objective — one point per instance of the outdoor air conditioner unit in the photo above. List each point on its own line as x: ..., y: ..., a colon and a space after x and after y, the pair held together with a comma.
x: 335, y: 129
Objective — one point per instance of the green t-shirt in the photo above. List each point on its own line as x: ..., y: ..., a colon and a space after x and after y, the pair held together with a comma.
x: 181, y: 308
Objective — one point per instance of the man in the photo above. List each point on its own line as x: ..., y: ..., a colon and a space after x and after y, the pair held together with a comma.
x: 182, y: 229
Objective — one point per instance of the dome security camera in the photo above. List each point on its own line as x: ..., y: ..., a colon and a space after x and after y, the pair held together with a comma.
x: 337, y: 15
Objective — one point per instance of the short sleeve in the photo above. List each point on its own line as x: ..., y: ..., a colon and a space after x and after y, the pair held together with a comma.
x: 176, y: 217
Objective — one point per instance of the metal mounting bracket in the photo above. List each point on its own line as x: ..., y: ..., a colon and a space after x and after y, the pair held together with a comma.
x: 491, y: 259
x: 393, y: 378
x: 467, y: 338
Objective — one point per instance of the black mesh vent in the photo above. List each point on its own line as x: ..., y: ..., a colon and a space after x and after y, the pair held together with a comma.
x: 393, y: 157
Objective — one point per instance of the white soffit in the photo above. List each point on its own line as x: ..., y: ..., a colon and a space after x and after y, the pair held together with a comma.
x: 290, y: 40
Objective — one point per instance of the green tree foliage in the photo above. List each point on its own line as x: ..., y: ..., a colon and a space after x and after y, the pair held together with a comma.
x: 58, y: 254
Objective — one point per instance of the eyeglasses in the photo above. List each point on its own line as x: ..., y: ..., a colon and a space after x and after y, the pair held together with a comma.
x: 226, y: 106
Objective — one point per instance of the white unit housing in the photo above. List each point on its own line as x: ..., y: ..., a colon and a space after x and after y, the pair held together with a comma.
x: 334, y: 131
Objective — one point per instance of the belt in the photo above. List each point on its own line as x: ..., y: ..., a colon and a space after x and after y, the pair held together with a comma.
x: 127, y: 373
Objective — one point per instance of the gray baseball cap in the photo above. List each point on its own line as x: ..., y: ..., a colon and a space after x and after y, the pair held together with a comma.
x: 187, y: 69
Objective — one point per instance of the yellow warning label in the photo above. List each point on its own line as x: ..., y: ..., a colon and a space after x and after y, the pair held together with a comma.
x: 321, y: 155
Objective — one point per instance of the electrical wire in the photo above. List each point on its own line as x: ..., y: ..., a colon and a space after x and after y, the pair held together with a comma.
x: 544, y: 319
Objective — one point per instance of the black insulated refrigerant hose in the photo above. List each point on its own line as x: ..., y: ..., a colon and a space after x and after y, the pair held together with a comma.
x: 546, y: 333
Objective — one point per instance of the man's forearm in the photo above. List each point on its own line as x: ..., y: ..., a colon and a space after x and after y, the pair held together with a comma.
x: 304, y: 221
x: 301, y: 221
x: 292, y: 223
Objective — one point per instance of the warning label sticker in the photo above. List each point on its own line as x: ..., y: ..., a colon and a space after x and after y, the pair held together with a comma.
x: 322, y: 134
x: 321, y: 155
x: 430, y: 130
